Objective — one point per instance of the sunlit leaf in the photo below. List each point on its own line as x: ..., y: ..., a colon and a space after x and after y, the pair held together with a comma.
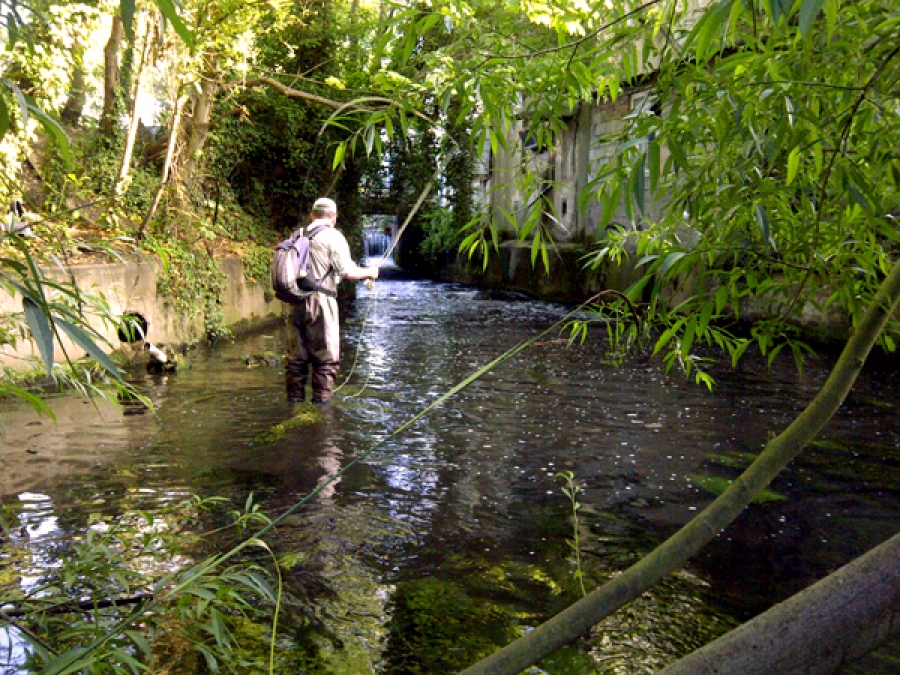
x: 338, y: 155
x: 167, y: 7
x: 4, y: 117
x: 793, y: 164
x: 20, y: 97
x: 56, y: 133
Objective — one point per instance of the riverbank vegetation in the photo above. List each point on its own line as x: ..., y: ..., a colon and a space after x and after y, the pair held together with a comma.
x: 207, y: 130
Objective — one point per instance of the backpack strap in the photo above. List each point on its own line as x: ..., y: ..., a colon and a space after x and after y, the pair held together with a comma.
x: 315, y: 284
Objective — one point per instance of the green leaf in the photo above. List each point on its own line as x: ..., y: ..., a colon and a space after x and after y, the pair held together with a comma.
x: 859, y: 198
x: 126, y: 11
x: 670, y: 260
x: 20, y: 97
x: 427, y: 23
x: 809, y: 10
x: 722, y: 295
x: 677, y: 152
x: 167, y: 7
x: 339, y: 155
x: 81, y: 338
x: 67, y: 662
x: 611, y: 200
x: 831, y: 15
x: 41, y: 331
x: 653, y: 165
x: 687, y: 340
x: 140, y: 642
x: 716, y: 485
x: 56, y: 133
x: 793, y: 164
x: 762, y: 220
x: 4, y: 117
x: 637, y: 183
x: 668, y: 335
x: 780, y: 8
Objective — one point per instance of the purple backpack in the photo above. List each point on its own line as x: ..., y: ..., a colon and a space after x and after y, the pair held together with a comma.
x: 292, y: 279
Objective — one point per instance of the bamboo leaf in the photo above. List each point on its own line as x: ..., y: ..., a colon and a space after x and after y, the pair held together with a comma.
x: 167, y: 7
x: 41, y: 331
x: 677, y: 152
x: 20, y: 97
x: 81, y: 338
x: 40, y: 405
x: 667, y: 336
x: 793, y: 164
x: 762, y: 220
x: 653, y: 165
x: 67, y: 662
x: 339, y: 155
x: 780, y: 8
x: 126, y: 10
x: 611, y: 200
x: 56, y: 133
x: 687, y: 340
x: 831, y: 15
x: 4, y: 117
x: 809, y: 10
x: 859, y: 198
x: 670, y: 260
x: 638, y: 185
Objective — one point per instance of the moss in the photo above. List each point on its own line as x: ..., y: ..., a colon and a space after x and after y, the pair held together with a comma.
x: 437, y: 627
x: 716, y: 485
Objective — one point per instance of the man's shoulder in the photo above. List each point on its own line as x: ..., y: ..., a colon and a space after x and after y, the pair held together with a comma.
x: 331, y: 235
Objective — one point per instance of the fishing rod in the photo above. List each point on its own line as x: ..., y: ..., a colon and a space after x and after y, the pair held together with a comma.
x: 370, y: 284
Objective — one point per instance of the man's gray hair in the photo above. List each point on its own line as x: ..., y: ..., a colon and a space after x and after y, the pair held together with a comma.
x: 324, y: 207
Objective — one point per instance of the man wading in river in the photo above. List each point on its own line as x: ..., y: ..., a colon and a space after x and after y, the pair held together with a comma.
x: 315, y: 323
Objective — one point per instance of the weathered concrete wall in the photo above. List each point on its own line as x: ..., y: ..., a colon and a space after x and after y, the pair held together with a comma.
x: 130, y: 288
x: 569, y: 280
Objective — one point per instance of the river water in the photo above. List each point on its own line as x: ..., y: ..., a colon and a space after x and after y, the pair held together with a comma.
x: 441, y: 542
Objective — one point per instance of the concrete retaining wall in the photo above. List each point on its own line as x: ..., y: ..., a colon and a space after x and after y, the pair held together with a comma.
x: 130, y: 288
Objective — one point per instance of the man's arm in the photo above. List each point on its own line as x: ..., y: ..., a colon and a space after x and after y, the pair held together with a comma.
x: 343, y: 264
x: 360, y: 273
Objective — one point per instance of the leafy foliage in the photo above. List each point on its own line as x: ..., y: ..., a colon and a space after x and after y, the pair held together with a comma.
x: 194, y: 282
x: 756, y: 182
x: 126, y: 560
x: 780, y: 198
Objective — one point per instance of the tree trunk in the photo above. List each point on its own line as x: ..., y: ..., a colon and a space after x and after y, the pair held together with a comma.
x: 672, y: 554
x: 71, y: 111
x: 111, y: 75
x: 816, y: 632
x: 167, y: 164
x: 196, y: 126
x: 122, y: 182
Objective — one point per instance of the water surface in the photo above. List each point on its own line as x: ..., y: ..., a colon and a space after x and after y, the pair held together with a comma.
x: 452, y: 537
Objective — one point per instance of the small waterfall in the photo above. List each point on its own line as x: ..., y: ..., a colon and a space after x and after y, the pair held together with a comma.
x: 376, y: 243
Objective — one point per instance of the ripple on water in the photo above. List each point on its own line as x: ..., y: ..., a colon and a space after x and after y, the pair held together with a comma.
x: 470, y: 494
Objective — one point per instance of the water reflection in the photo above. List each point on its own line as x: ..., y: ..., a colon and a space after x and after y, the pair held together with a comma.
x: 464, y: 510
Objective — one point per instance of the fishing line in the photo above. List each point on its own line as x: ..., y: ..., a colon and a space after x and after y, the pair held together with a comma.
x: 384, y: 256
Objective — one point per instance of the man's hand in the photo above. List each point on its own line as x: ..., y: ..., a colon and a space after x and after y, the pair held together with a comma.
x: 373, y: 274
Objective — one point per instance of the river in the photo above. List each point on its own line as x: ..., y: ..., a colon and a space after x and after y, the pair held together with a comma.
x: 438, y: 543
